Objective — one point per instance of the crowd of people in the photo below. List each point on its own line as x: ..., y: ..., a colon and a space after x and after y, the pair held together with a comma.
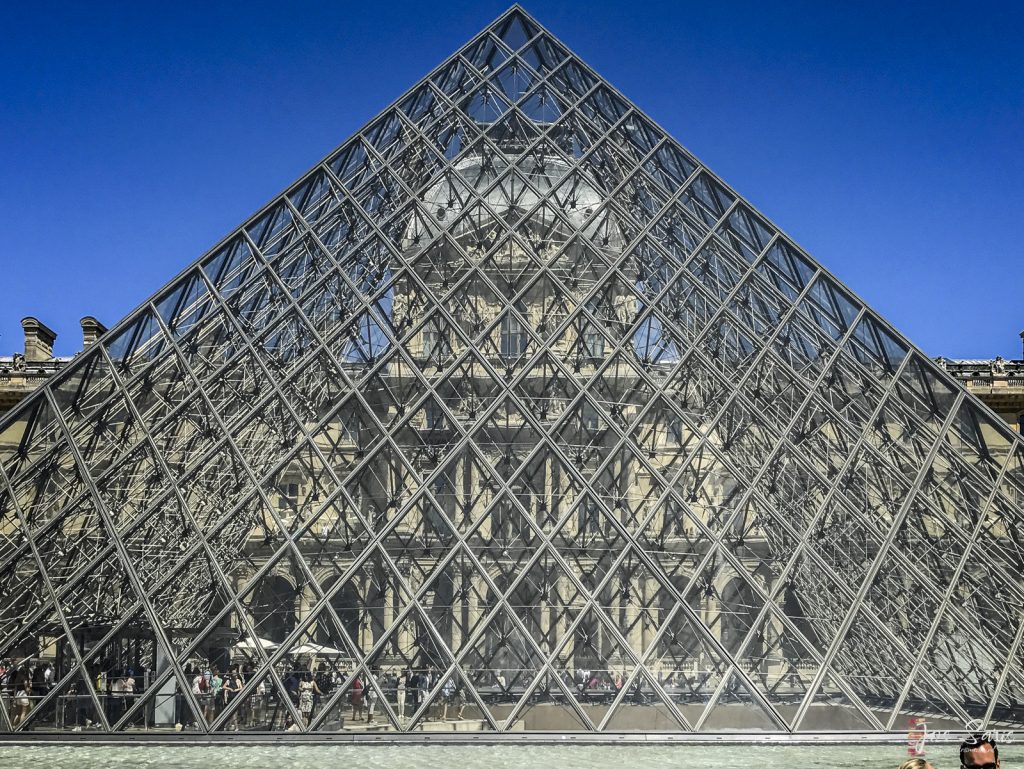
x: 30, y: 682
x: 27, y: 683
x: 307, y: 690
x: 24, y: 684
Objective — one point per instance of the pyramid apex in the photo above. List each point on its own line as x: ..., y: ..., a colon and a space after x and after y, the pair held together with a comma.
x: 515, y: 26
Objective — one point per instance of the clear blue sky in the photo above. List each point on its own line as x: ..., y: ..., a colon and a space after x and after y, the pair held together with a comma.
x: 887, y: 138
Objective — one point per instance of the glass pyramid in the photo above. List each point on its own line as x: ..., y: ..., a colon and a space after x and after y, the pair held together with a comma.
x: 509, y: 416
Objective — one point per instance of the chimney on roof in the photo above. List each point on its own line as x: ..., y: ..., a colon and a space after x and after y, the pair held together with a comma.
x: 1022, y: 344
x: 39, y: 340
x: 92, y: 330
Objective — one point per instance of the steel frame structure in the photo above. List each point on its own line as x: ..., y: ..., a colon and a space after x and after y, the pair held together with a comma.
x: 512, y: 390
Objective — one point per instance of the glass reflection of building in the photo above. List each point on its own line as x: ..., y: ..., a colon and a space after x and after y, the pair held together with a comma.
x: 512, y: 393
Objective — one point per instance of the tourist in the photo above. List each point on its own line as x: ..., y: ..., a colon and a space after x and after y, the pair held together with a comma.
x: 447, y: 697
x: 414, y: 690
x: 201, y: 690
x: 23, y: 701
x: 181, y: 710
x: 459, y: 700
x: 451, y: 695
x: 357, y: 698
x: 48, y: 676
x: 426, y: 684
x: 128, y: 690
x: 979, y: 751
x: 39, y: 680
x: 307, y: 688
x: 370, y: 694
x: 291, y: 686
x: 400, y: 687
x: 502, y: 686
x: 231, y: 688
x: 115, y: 707
x: 216, y: 686
x: 257, y: 703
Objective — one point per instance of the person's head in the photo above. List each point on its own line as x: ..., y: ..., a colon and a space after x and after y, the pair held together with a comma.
x: 916, y: 763
x: 979, y: 751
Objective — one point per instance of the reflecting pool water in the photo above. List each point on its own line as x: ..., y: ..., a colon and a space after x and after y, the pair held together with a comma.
x: 478, y: 757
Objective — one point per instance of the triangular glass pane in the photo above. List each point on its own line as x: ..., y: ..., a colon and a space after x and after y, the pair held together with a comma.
x: 354, y: 703
x: 162, y: 705
x: 641, y: 708
x: 452, y: 705
x: 262, y: 706
x: 830, y: 709
x: 503, y: 653
x: 738, y: 709
x: 41, y: 662
x: 688, y: 662
x: 516, y: 30
x: 27, y: 436
x: 778, y: 661
x: 125, y: 658
x: 68, y: 705
x: 551, y: 705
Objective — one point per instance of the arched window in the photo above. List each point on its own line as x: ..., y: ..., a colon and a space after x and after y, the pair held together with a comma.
x: 349, y: 606
x: 273, y: 608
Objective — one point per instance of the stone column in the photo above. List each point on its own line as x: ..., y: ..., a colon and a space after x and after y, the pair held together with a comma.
x: 548, y: 490
x: 544, y: 607
x: 650, y: 600
x: 458, y: 580
x: 302, y: 605
x: 405, y: 636
x: 459, y: 488
x: 485, y: 526
x: 364, y: 635
x: 389, y: 604
x: 472, y: 602
x: 632, y: 616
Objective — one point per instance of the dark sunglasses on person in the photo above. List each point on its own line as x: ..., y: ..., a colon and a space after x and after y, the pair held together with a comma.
x: 989, y: 765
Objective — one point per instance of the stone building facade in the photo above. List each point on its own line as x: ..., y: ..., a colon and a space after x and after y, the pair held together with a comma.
x: 22, y: 372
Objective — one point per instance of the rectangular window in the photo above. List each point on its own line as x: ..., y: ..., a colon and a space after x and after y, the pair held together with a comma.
x: 513, y: 337
x: 431, y: 348
x: 434, y: 417
x: 594, y: 343
x: 349, y: 432
x: 589, y: 518
x: 675, y: 430
x: 289, y: 496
